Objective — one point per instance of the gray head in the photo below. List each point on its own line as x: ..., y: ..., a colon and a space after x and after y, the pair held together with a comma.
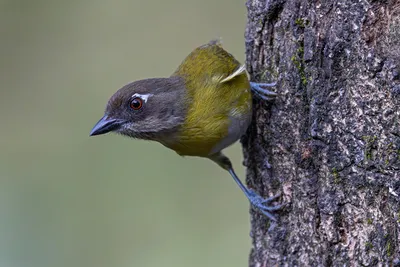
x: 146, y: 109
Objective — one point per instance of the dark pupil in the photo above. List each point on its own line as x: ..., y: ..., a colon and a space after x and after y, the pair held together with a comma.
x: 135, y: 103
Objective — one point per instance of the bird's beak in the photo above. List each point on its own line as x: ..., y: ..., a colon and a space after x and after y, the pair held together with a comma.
x: 105, y: 125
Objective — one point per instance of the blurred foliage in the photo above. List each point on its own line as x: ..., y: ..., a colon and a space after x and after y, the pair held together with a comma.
x: 70, y: 200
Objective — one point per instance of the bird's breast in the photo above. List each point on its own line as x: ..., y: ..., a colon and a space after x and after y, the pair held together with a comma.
x: 207, y: 132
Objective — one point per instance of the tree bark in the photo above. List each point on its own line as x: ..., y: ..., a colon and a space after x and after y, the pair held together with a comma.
x: 330, y: 142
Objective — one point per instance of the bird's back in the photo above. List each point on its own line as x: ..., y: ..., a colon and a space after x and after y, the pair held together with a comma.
x: 219, y: 99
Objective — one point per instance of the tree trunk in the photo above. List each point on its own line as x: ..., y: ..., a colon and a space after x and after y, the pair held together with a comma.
x: 330, y: 143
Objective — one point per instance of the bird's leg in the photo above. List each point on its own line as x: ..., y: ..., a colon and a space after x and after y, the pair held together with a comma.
x: 261, y: 92
x: 255, y: 199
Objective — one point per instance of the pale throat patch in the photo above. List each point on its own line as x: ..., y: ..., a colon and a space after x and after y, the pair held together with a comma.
x: 144, y: 97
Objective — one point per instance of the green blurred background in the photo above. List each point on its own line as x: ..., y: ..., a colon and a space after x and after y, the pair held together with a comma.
x: 70, y: 200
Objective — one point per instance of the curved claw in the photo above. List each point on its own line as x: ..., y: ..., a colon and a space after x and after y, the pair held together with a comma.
x: 263, y: 97
x: 260, y: 203
x: 269, y: 215
x: 270, y: 199
x: 262, y: 92
x: 265, y: 84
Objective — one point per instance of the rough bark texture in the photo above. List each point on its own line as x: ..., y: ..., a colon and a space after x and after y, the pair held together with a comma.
x: 332, y: 137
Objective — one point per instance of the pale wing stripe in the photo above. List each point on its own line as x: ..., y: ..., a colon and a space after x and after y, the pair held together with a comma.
x: 237, y: 72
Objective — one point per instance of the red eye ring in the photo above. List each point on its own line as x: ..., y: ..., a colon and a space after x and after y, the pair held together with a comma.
x: 136, y: 103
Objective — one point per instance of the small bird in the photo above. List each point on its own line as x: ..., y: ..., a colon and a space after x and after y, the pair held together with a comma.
x: 202, y: 108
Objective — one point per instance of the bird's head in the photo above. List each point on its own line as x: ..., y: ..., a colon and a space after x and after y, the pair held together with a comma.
x: 145, y: 109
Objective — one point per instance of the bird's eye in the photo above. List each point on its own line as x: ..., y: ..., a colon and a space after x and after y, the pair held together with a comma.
x: 136, y: 103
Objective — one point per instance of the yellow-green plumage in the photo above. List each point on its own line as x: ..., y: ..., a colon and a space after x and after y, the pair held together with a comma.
x: 214, y: 104
x: 204, y: 107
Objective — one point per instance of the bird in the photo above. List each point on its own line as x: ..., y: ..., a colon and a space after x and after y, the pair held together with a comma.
x: 201, y: 109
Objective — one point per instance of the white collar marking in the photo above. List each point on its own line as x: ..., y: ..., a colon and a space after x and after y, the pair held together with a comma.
x: 144, y: 97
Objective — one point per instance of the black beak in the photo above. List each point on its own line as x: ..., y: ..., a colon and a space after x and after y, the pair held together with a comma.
x: 105, y: 125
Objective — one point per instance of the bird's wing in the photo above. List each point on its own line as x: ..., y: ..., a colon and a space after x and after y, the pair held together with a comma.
x: 237, y: 72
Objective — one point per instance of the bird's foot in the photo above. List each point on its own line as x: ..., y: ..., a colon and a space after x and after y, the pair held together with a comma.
x: 261, y: 204
x: 261, y: 92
